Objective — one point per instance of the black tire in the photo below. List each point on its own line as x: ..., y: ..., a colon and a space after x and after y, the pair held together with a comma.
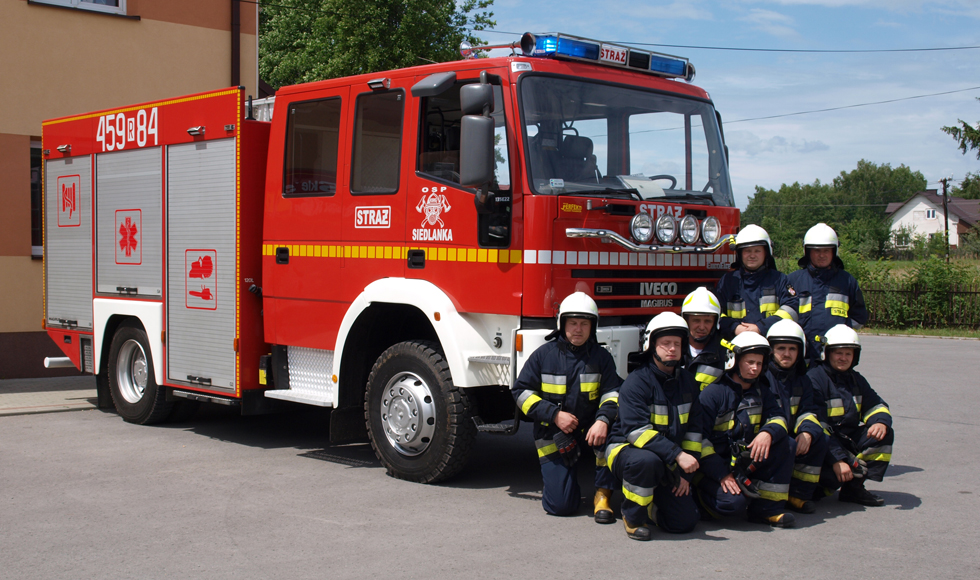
x: 135, y: 393
x: 419, y: 423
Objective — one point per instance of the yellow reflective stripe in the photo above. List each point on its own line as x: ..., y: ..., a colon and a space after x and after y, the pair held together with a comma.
x: 707, y: 448
x: 590, y: 384
x: 529, y: 402
x: 804, y: 476
x: 774, y: 491
x: 804, y: 306
x: 778, y: 421
x: 835, y: 408
x: 736, y: 313
x: 885, y: 457
x: 806, y: 417
x: 784, y: 314
x: 727, y: 344
x: 640, y: 495
x: 875, y: 410
x: 755, y: 418
x: 659, y: 414
x: 766, y: 308
x: 610, y: 396
x: 547, y: 450
x: 725, y: 422
x: 613, y: 452
x: 691, y: 442
x: 553, y: 388
x: 645, y: 438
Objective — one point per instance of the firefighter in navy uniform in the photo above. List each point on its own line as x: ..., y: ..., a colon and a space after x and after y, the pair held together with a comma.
x: 656, y: 441
x: 755, y: 295
x: 569, y: 388
x: 707, y: 352
x: 828, y: 295
x: 788, y: 366
x: 746, y: 455
x: 859, y: 421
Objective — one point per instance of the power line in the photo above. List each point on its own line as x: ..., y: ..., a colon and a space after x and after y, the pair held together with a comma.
x: 795, y: 50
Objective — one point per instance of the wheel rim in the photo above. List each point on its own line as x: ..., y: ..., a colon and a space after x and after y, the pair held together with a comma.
x: 132, y: 372
x: 408, y: 414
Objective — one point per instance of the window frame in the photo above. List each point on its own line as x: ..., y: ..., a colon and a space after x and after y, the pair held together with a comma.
x: 358, y: 104
x: 86, y: 5
x: 286, y: 149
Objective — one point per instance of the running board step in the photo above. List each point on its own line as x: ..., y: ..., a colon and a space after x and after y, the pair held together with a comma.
x: 496, y: 428
x: 490, y: 359
x: 206, y: 398
x: 306, y: 397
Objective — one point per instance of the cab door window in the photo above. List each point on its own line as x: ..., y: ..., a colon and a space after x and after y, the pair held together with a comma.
x: 312, y: 138
x: 377, y: 143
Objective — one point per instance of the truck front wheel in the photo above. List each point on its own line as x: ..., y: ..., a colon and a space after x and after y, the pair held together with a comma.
x: 419, y: 423
x: 135, y: 393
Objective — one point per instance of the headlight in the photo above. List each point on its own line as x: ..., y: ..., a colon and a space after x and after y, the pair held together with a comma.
x: 710, y: 230
x: 666, y: 229
x: 641, y: 227
x: 689, y: 229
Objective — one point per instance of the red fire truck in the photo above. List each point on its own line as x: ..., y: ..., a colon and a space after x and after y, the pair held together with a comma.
x: 392, y: 246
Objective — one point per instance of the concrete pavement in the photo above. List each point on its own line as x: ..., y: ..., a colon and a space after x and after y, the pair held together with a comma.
x: 47, y: 395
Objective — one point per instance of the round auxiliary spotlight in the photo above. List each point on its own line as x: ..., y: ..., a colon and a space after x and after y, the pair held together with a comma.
x: 666, y: 229
x: 689, y: 229
x: 641, y: 227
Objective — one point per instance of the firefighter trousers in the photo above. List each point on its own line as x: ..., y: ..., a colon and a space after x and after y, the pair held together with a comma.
x: 644, y: 482
x: 772, y: 475
x: 877, y: 455
x: 807, y: 468
x: 561, y: 494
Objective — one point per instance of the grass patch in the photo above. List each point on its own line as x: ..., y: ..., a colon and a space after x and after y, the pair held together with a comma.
x: 942, y: 332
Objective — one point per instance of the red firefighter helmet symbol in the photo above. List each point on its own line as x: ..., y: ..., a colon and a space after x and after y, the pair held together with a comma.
x: 432, y: 207
x: 128, y: 241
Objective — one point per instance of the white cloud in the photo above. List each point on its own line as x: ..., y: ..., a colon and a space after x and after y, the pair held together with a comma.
x: 771, y: 22
x: 753, y: 145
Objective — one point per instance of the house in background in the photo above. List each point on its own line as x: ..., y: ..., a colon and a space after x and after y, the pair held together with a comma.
x: 65, y: 57
x: 922, y: 215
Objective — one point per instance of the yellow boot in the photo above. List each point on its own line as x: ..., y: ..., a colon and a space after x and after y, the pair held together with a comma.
x: 603, y: 513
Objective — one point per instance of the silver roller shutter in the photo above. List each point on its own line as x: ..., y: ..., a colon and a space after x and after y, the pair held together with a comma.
x: 68, y: 242
x: 129, y: 249
x: 201, y: 260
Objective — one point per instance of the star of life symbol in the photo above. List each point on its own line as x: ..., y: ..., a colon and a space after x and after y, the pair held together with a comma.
x: 69, y: 210
x: 128, y: 227
x: 433, y: 206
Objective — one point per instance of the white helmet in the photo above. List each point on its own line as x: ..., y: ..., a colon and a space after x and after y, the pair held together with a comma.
x: 753, y: 235
x: 820, y: 236
x: 788, y: 331
x: 702, y: 301
x: 841, y: 336
x: 745, y: 343
x: 578, y: 305
x: 665, y: 323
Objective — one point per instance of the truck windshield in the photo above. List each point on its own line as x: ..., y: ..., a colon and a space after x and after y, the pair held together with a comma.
x: 584, y: 137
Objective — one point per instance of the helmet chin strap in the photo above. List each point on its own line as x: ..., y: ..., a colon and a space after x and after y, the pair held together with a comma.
x: 667, y: 363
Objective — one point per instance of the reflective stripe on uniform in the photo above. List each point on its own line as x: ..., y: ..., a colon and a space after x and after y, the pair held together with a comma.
x: 553, y: 384
x: 589, y: 383
x: 777, y: 420
x: 705, y: 375
x: 882, y: 408
x: 881, y: 453
x: 805, y: 417
x: 768, y: 304
x: 636, y: 494
x: 527, y: 400
x: 612, y: 452
x: 794, y: 404
x: 835, y: 408
x: 707, y: 448
x: 600, y: 456
x: 858, y: 399
x: 837, y: 304
x: 808, y: 473
x: 788, y: 313
x: 659, y: 414
x: 736, y: 309
x: 773, y: 491
x: 684, y: 411
x: 692, y: 442
x: 725, y: 422
x: 642, y: 436
x: 610, y: 396
x: 805, y: 302
x: 546, y: 448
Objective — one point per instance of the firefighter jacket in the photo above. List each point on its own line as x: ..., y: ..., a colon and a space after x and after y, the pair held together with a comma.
x: 846, y: 405
x: 827, y: 297
x: 795, y: 392
x: 709, y: 365
x: 578, y: 380
x: 658, y: 412
x: 736, y: 415
x: 761, y: 297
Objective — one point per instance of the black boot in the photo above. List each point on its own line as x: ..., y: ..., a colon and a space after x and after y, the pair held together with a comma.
x: 853, y: 492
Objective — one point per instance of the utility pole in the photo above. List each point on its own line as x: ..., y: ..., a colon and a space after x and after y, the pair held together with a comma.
x: 945, y: 182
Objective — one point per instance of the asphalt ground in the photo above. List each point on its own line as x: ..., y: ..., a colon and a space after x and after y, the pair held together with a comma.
x: 85, y: 495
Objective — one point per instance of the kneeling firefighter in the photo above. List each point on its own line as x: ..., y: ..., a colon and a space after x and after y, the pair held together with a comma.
x: 656, y: 441
x: 569, y: 388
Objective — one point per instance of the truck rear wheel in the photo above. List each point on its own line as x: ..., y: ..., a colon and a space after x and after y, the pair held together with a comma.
x: 419, y: 423
x: 135, y: 393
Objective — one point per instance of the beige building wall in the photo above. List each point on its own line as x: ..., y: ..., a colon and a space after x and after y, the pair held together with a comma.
x: 57, y: 62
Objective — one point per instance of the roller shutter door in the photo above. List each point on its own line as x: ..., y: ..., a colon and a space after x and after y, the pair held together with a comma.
x: 68, y: 242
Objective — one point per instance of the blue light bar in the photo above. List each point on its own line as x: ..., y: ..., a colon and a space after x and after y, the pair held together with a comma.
x: 562, y: 46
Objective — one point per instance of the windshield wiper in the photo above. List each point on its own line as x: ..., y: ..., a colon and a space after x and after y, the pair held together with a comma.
x: 694, y: 196
x: 607, y: 192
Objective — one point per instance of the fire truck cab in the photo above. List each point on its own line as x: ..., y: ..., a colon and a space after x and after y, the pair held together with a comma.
x: 392, y: 245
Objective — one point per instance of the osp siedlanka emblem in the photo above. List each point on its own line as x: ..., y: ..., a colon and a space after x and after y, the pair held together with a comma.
x: 431, y: 207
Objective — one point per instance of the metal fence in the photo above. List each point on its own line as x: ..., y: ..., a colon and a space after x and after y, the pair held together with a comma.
x: 903, y: 305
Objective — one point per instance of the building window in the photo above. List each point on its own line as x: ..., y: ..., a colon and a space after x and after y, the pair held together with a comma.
x: 930, y: 214
x: 108, y: 6
x: 377, y: 143
x: 37, y: 195
x: 312, y: 138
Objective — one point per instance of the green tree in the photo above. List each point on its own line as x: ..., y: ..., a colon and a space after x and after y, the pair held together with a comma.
x: 867, y: 190
x: 311, y: 40
x: 969, y: 188
x: 966, y: 135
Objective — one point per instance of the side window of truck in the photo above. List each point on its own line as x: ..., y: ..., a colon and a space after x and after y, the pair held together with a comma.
x: 312, y: 137
x: 377, y: 143
x: 439, y: 138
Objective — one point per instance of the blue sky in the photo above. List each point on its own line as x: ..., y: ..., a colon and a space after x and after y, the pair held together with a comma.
x: 746, y: 85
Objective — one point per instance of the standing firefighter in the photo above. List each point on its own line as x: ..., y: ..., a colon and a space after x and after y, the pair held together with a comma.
x: 788, y: 366
x: 746, y: 456
x: 828, y: 295
x: 755, y: 295
x: 707, y: 352
x: 859, y: 421
x: 656, y: 441
x: 569, y: 388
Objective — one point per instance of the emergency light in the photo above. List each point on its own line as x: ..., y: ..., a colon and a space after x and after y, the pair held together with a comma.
x: 564, y: 46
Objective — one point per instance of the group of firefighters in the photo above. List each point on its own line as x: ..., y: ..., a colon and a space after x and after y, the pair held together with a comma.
x: 745, y: 403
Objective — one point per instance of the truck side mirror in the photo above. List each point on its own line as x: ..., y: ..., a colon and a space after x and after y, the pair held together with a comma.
x: 476, y: 162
